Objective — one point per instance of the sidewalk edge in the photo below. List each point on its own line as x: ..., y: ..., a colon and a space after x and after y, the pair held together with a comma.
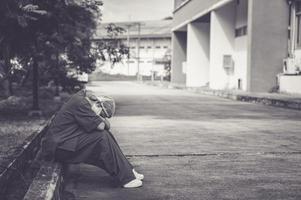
x: 289, y: 104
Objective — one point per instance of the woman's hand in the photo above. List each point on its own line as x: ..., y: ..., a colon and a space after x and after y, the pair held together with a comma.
x: 104, y: 125
x: 107, y: 124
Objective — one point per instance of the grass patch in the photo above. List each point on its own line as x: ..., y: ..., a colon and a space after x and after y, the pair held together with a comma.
x: 16, y: 125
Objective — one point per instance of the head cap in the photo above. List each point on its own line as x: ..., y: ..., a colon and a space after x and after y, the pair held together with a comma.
x: 108, y: 106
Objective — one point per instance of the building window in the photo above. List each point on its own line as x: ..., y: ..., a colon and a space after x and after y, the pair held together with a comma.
x: 149, y: 47
x: 133, y: 47
x: 165, y: 47
x: 141, y: 47
x: 298, y: 28
x: 241, y: 31
x: 158, y: 47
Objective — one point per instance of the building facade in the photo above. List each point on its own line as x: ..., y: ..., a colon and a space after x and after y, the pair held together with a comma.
x: 231, y: 44
x: 149, y: 43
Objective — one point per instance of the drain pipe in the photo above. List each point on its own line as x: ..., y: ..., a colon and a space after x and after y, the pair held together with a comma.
x: 291, y: 28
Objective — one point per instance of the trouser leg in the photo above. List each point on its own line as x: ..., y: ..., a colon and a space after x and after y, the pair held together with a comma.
x: 101, y: 149
x: 108, y: 156
x: 113, y: 138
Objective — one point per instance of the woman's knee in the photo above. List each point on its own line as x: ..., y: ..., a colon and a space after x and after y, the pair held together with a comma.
x: 104, y: 135
x: 100, y: 134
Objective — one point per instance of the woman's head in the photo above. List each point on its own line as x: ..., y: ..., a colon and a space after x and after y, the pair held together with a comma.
x: 103, y: 104
x: 108, y: 107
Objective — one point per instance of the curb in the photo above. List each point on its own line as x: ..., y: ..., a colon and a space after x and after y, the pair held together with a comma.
x: 294, y: 104
x: 288, y: 104
x: 47, y: 185
x: 19, y: 160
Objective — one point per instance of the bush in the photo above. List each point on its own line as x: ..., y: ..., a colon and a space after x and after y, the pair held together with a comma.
x: 46, y: 92
x: 15, y: 105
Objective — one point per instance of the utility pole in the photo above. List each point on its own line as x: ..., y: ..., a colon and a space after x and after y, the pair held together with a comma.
x: 153, y: 60
x: 139, y: 78
x: 128, y: 44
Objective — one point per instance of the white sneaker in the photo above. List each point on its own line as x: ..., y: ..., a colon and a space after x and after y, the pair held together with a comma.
x: 133, y: 184
x: 137, y: 175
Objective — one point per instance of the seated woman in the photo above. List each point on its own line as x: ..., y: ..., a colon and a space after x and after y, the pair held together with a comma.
x: 80, y: 133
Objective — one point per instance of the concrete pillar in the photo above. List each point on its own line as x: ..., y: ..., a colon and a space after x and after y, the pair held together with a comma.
x: 179, y: 46
x: 222, y: 42
x: 241, y: 45
x: 268, y: 40
x: 198, y: 42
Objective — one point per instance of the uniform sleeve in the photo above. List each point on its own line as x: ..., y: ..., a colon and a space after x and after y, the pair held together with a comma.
x: 86, y: 117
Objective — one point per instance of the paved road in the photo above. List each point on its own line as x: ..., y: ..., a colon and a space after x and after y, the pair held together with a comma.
x: 191, y: 146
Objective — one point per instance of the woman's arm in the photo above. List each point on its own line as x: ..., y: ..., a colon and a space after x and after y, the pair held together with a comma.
x: 105, y: 124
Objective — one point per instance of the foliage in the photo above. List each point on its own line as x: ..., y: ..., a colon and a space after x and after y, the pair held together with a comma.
x: 167, y: 65
x: 55, y: 36
x: 14, y: 132
x: 45, y: 31
x: 13, y: 104
x: 111, y: 48
x: 14, y: 36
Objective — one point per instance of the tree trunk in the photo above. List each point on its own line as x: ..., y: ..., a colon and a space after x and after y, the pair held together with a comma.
x: 10, y: 86
x: 7, y: 83
x: 5, y: 87
x: 25, y: 78
x: 35, y: 86
x: 57, y: 89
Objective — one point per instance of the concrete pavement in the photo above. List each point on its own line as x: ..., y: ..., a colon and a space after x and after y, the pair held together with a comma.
x: 192, y: 146
x: 290, y: 101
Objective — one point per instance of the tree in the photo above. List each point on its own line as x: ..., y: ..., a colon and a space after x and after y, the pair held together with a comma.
x: 48, y: 27
x: 51, y: 38
x: 111, y: 48
x: 67, y: 33
x: 14, y: 17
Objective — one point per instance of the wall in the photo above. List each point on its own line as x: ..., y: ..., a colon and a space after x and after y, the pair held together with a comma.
x: 241, y: 14
x: 191, y: 9
x: 198, y: 37
x: 178, y: 3
x: 179, y: 51
x: 290, y: 84
x: 221, y: 43
x: 240, y: 47
x: 240, y: 62
x: 267, y: 39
